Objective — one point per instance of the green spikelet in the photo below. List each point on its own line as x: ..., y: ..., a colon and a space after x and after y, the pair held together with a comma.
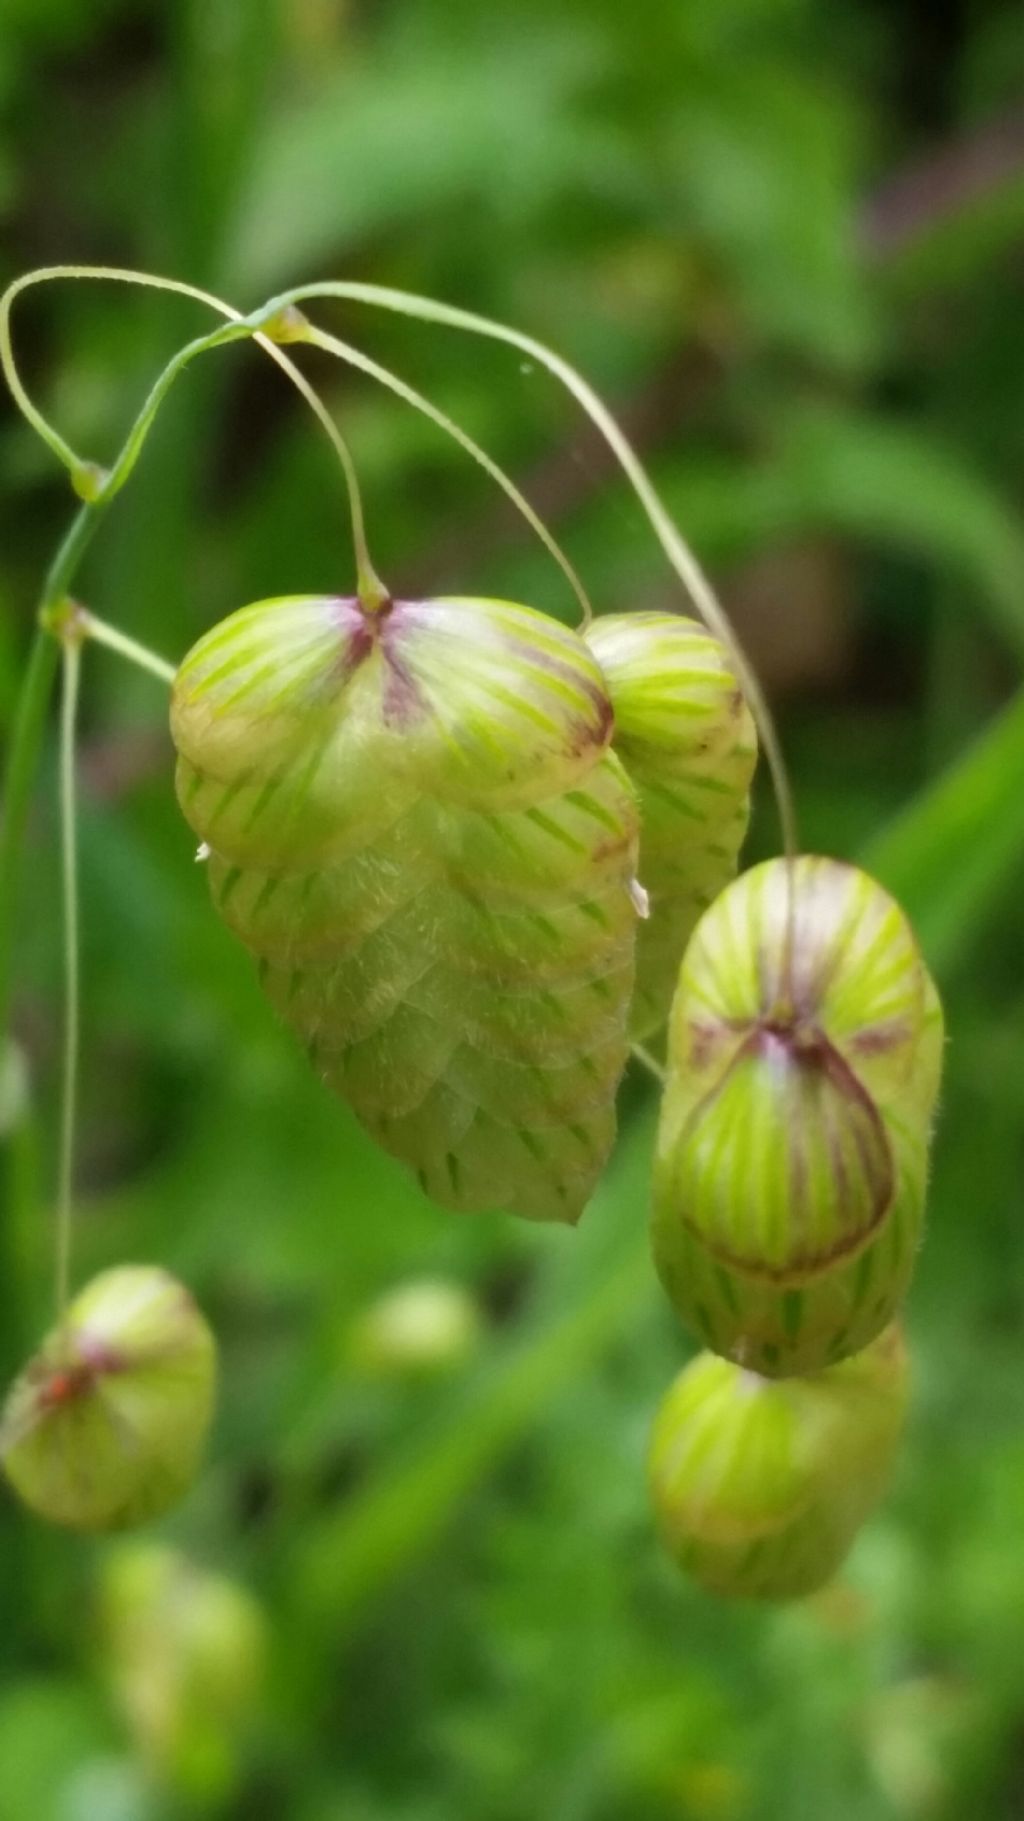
x: 106, y: 1425
x: 687, y: 739
x: 759, y: 1485
x: 792, y: 1150
x: 415, y: 825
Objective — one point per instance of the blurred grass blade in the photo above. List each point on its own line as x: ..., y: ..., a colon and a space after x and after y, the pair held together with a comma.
x: 956, y: 846
x: 888, y: 484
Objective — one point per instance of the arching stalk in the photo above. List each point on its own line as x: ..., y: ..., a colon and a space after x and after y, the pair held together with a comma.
x: 132, y: 650
x: 299, y: 329
x: 97, y: 486
x: 72, y: 661
x: 674, y: 545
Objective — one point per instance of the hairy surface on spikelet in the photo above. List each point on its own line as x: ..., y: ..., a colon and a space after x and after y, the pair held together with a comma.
x: 416, y: 825
x: 793, y: 1145
x: 687, y: 739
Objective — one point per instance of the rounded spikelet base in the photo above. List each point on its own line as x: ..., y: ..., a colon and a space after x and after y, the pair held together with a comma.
x: 792, y: 1150
x: 416, y: 827
x: 106, y: 1425
x: 687, y: 739
x: 760, y: 1486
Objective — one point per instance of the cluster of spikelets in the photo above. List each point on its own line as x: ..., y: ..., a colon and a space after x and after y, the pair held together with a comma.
x: 475, y: 855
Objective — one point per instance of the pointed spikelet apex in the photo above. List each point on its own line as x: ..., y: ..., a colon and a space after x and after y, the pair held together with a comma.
x: 687, y: 739
x: 106, y: 1425
x: 417, y: 828
x: 793, y: 1143
x: 760, y: 1485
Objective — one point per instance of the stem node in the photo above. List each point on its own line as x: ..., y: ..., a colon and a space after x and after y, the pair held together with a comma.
x: 66, y: 620
x: 89, y: 480
x: 286, y: 324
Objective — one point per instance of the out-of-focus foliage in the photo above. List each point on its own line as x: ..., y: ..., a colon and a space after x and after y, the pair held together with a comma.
x: 784, y: 238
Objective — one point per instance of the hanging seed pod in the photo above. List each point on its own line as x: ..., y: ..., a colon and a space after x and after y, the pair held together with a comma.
x: 106, y: 1425
x: 687, y: 740
x: 760, y: 1485
x: 793, y: 1144
x: 414, y: 824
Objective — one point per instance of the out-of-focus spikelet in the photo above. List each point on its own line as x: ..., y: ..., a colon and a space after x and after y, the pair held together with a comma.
x: 760, y: 1485
x: 106, y: 1425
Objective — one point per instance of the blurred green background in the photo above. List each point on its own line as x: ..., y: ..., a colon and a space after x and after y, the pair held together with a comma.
x: 784, y: 238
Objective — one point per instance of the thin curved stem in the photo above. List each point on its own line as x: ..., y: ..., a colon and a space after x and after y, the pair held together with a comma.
x: 643, y: 1056
x: 28, y: 734
x: 27, y: 737
x: 680, y: 557
x: 93, y: 483
x: 99, y: 632
x: 72, y: 662
x: 319, y: 338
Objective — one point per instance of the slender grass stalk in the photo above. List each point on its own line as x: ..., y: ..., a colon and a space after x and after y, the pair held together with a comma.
x: 99, y: 632
x: 29, y: 734
x: 643, y: 1056
x: 72, y: 667
x: 26, y: 745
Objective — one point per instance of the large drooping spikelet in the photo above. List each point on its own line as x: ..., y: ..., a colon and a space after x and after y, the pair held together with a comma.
x: 793, y: 1144
x: 416, y: 825
x: 760, y: 1485
x: 687, y: 739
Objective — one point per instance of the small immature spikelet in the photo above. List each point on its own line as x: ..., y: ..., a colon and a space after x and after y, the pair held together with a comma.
x: 106, y: 1425
x: 417, y: 1330
x: 793, y: 1144
x: 760, y: 1485
x: 414, y: 823
x: 184, y: 1652
x: 687, y: 740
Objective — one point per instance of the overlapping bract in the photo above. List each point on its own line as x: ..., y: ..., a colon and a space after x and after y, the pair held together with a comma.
x: 804, y: 1066
x: 760, y: 1485
x: 415, y: 824
x: 687, y: 739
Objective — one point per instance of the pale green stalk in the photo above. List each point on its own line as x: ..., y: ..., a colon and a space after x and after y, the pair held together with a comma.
x: 72, y: 663
x: 96, y: 486
x: 678, y: 552
x: 100, y: 633
x: 301, y: 330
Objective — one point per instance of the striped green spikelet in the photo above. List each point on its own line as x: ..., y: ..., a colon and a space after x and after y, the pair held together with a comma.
x: 760, y: 1485
x: 687, y: 739
x: 792, y: 1150
x: 416, y: 826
